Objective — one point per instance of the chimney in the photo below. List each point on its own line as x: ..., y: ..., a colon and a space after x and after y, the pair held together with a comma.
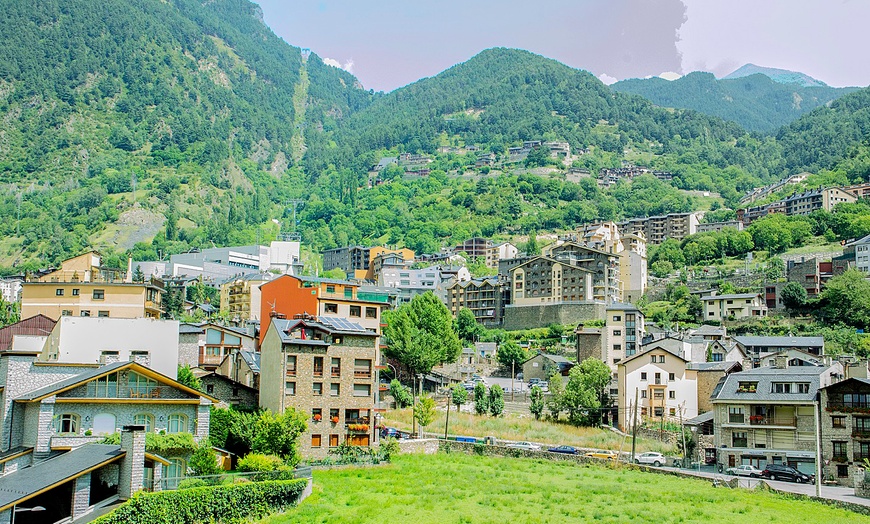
x: 132, y: 477
x: 128, y: 278
x: 780, y: 361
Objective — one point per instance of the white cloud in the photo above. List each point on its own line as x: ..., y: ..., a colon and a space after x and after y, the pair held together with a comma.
x: 332, y: 62
x: 348, y: 66
x: 670, y: 75
x: 607, y: 79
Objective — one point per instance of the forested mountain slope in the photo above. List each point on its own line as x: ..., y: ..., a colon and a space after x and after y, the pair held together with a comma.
x: 756, y: 102
x: 174, y: 93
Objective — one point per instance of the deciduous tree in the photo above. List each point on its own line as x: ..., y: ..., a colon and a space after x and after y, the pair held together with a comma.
x: 420, y: 334
x: 536, y: 402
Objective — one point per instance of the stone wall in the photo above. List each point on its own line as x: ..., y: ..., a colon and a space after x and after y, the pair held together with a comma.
x: 534, y: 316
x: 230, y: 392
x: 188, y: 349
x: 428, y: 446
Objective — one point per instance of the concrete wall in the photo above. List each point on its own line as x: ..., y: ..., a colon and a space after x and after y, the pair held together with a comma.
x: 534, y: 316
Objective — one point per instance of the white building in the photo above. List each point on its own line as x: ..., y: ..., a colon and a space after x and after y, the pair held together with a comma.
x: 10, y: 288
x: 100, y: 340
x: 861, y: 249
x: 742, y: 305
x: 221, y: 263
x: 662, y: 383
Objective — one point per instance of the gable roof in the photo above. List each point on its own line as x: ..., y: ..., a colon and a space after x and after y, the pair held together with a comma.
x: 252, y: 358
x: 91, y: 374
x: 715, y: 366
x: 651, y: 349
x: 553, y: 260
x: 765, y: 377
x: 29, y: 482
x: 38, y: 325
x: 731, y: 297
x: 863, y: 381
x: 234, y: 383
x: 780, y: 341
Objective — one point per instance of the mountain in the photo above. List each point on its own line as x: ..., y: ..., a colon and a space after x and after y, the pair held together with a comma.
x: 196, y: 105
x: 755, y: 101
x: 783, y: 76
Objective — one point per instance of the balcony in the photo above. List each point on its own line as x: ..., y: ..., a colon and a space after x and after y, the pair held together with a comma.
x: 318, y: 372
x: 291, y: 372
x: 362, y: 373
x: 861, y: 433
x: 336, y: 371
x: 759, y: 420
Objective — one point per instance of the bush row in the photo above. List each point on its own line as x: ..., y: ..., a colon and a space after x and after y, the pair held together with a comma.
x: 225, y: 504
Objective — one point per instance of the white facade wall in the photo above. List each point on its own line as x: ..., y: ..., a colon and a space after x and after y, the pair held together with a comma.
x: 82, y: 340
x: 684, y: 388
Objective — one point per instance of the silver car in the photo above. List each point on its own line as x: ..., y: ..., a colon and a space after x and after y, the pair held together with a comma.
x: 656, y: 459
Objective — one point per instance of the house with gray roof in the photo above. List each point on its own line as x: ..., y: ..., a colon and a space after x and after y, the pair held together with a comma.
x: 542, y: 366
x: 766, y: 415
x: 754, y: 346
x: 845, y: 428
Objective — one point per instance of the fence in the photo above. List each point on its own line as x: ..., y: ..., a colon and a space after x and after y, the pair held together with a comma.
x: 171, y: 483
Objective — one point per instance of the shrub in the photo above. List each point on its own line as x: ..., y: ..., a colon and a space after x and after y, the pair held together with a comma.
x: 259, y: 462
x: 203, y: 461
x: 192, y: 483
x: 389, y: 447
x: 234, y: 503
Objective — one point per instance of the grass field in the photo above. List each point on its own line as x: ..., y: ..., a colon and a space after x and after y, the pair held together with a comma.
x: 513, y: 427
x: 456, y: 488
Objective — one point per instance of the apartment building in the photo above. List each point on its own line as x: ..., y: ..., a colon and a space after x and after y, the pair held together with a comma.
x: 845, y: 423
x: 543, y: 280
x: 356, y: 261
x: 485, y: 297
x: 659, y: 228
x: 602, y: 266
x: 753, y: 346
x: 83, y: 287
x: 665, y: 387
x: 240, y: 297
x: 290, y: 295
x: 817, y: 199
x: 325, y: 368
x: 486, y: 250
x: 859, y: 253
x: 716, y: 227
x: 733, y: 307
x: 765, y: 415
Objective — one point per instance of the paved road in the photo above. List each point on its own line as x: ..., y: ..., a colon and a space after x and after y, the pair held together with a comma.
x: 828, y: 492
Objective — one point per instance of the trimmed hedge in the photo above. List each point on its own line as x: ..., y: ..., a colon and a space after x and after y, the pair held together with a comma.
x: 225, y: 504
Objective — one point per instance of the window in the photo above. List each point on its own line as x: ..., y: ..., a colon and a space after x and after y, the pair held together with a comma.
x: 738, y: 439
x: 67, y: 423
x: 209, y: 388
x: 177, y: 423
x: 842, y: 471
x: 315, y: 441
x: 333, y: 441
x: 617, y: 347
x: 672, y: 395
x: 652, y: 359
x: 75, y: 292
x: 780, y: 387
x: 99, y: 294
x: 617, y: 332
x: 291, y: 365
x: 289, y: 388
x: 735, y: 415
x: 318, y: 366
x: 658, y: 377
x: 643, y: 394
x: 672, y: 412
x: 355, y: 311
x: 659, y: 412
x: 66, y: 313
x: 362, y: 390
x: 839, y: 451
x: 317, y: 414
x: 317, y: 388
x: 174, y: 472
x: 85, y: 313
x: 718, y: 357
x: 142, y: 386
x: 862, y: 425
x: 617, y: 318
x: 643, y: 376
x: 58, y: 292
x: 337, y: 340
x: 335, y: 366
x: 144, y: 419
x: 330, y: 308
x: 330, y: 289
x: 838, y: 421
x: 803, y: 387
x: 747, y: 387
x: 661, y: 359
x: 371, y: 312
x: 335, y: 389
x: 102, y: 314
x: 671, y: 377
x: 104, y: 387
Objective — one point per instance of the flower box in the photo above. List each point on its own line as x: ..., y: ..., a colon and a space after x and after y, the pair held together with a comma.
x: 334, y: 420
x: 364, y: 428
x: 318, y: 417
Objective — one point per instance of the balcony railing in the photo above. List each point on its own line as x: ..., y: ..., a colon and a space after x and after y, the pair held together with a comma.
x: 291, y: 372
x: 336, y: 371
x: 862, y: 433
x: 318, y: 372
x: 362, y: 373
x: 757, y: 420
x: 210, y: 359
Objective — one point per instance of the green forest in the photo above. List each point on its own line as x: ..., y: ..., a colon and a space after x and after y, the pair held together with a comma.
x: 149, y: 128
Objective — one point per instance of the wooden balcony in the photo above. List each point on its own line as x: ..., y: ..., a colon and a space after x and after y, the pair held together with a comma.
x: 362, y: 373
x: 335, y: 371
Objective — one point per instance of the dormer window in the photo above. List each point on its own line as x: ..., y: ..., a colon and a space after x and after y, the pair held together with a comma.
x: 747, y: 387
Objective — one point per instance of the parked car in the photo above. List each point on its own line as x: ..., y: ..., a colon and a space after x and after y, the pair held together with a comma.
x: 606, y: 455
x: 534, y: 382
x: 783, y: 472
x: 528, y: 446
x: 544, y: 385
x: 395, y: 433
x: 568, y: 450
x: 656, y: 459
x: 746, y: 470
x: 469, y: 386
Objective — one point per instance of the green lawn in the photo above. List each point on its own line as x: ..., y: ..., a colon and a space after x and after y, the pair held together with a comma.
x: 513, y: 427
x: 458, y: 488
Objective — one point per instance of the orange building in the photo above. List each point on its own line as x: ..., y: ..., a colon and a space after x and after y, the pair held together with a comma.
x: 290, y: 295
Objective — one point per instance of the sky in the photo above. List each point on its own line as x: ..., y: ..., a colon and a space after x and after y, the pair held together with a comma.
x: 391, y: 43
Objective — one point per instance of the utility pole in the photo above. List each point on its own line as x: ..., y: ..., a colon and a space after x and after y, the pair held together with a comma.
x: 513, y: 363
x: 634, y: 425
x: 683, y: 435
x: 447, y: 420
x: 816, y: 407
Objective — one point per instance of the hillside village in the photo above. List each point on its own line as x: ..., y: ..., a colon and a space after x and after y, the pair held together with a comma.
x: 154, y: 349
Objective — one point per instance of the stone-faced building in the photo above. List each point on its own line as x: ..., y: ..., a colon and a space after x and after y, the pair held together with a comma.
x: 485, y: 297
x: 229, y: 391
x: 845, y: 421
x: 766, y: 415
x: 51, y: 410
x: 709, y: 376
x: 542, y: 366
x: 206, y: 345
x: 325, y: 368
x: 242, y: 366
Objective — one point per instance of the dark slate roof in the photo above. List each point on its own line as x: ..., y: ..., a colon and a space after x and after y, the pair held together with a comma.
x: 652, y: 347
x: 622, y: 307
x: 730, y: 297
x: 709, y: 330
x: 39, y: 325
x: 765, y: 376
x: 864, y: 381
x: 28, y: 482
x: 186, y: 329
x: 72, y: 381
x: 700, y: 419
x: 13, y: 451
x: 780, y: 341
x: 252, y: 358
x: 713, y: 366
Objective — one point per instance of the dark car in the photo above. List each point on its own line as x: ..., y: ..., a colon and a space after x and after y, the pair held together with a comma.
x: 568, y: 450
x: 782, y: 472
